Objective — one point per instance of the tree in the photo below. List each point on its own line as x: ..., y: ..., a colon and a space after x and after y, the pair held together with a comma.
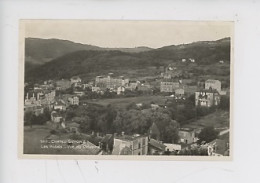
x: 28, y: 116
x: 118, y: 124
x: 132, y: 105
x: 224, y: 102
x: 196, y: 151
x: 171, y: 132
x: 105, y: 121
x: 38, y: 120
x: 70, y: 115
x: 85, y: 124
x: 47, y: 114
x: 168, y: 128
x: 207, y: 134
x: 132, y: 121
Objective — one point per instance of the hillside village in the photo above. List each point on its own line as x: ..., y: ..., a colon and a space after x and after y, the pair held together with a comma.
x: 112, y: 114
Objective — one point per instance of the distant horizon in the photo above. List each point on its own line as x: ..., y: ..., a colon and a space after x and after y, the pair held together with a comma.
x: 128, y: 34
x: 141, y: 46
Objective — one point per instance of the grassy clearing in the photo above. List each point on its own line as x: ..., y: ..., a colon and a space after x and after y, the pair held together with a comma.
x: 218, y: 119
x: 123, y: 102
x: 32, y: 137
x: 33, y: 145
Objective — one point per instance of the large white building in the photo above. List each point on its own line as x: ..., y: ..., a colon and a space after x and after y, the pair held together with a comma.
x: 111, y: 82
x: 207, y: 98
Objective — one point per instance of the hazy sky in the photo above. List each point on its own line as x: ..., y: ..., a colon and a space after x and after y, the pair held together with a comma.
x: 129, y: 34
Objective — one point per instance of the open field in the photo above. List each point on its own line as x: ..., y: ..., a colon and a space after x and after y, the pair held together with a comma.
x: 123, y: 102
x: 32, y: 137
x: 58, y: 144
x: 218, y: 119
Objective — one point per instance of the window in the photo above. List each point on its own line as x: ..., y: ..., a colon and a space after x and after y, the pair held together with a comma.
x: 139, y: 145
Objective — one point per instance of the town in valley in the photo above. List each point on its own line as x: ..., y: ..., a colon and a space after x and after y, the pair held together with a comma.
x: 164, y: 102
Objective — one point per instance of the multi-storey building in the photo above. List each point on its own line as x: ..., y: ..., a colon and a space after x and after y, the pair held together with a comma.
x: 43, y: 97
x: 213, y: 84
x: 63, y: 84
x: 75, y: 80
x: 187, y: 135
x: 130, y: 145
x: 70, y: 99
x: 169, y: 86
x: 207, y: 98
x: 111, y: 82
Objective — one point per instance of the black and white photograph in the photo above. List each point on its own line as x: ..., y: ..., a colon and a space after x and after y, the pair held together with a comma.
x: 130, y: 89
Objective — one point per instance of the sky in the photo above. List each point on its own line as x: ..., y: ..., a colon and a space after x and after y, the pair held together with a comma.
x: 128, y: 34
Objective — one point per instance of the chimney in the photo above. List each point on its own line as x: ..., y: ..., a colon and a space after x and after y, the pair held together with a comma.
x: 27, y: 96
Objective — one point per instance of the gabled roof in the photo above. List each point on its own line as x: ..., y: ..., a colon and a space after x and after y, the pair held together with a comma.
x: 186, y: 129
x: 208, y: 91
x: 157, y: 145
x: 212, y: 80
x: 130, y: 137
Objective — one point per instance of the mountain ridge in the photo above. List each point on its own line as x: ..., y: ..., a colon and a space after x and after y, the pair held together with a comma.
x: 88, y: 63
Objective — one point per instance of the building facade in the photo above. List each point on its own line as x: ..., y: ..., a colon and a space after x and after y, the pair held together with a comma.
x: 213, y: 84
x: 111, y: 82
x: 187, y: 136
x: 75, y: 80
x: 179, y: 92
x: 130, y: 145
x: 207, y: 98
x: 169, y: 86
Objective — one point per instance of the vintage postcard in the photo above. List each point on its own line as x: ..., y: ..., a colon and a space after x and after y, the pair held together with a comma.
x: 133, y: 90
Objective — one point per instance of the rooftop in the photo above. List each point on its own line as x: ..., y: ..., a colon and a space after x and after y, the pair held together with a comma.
x: 129, y: 137
x: 186, y: 129
x: 157, y: 144
x: 170, y: 80
x: 208, y: 90
x: 212, y: 80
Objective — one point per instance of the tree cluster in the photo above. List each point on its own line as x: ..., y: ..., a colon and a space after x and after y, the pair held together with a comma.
x: 207, y: 134
x: 30, y: 118
x: 131, y: 121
